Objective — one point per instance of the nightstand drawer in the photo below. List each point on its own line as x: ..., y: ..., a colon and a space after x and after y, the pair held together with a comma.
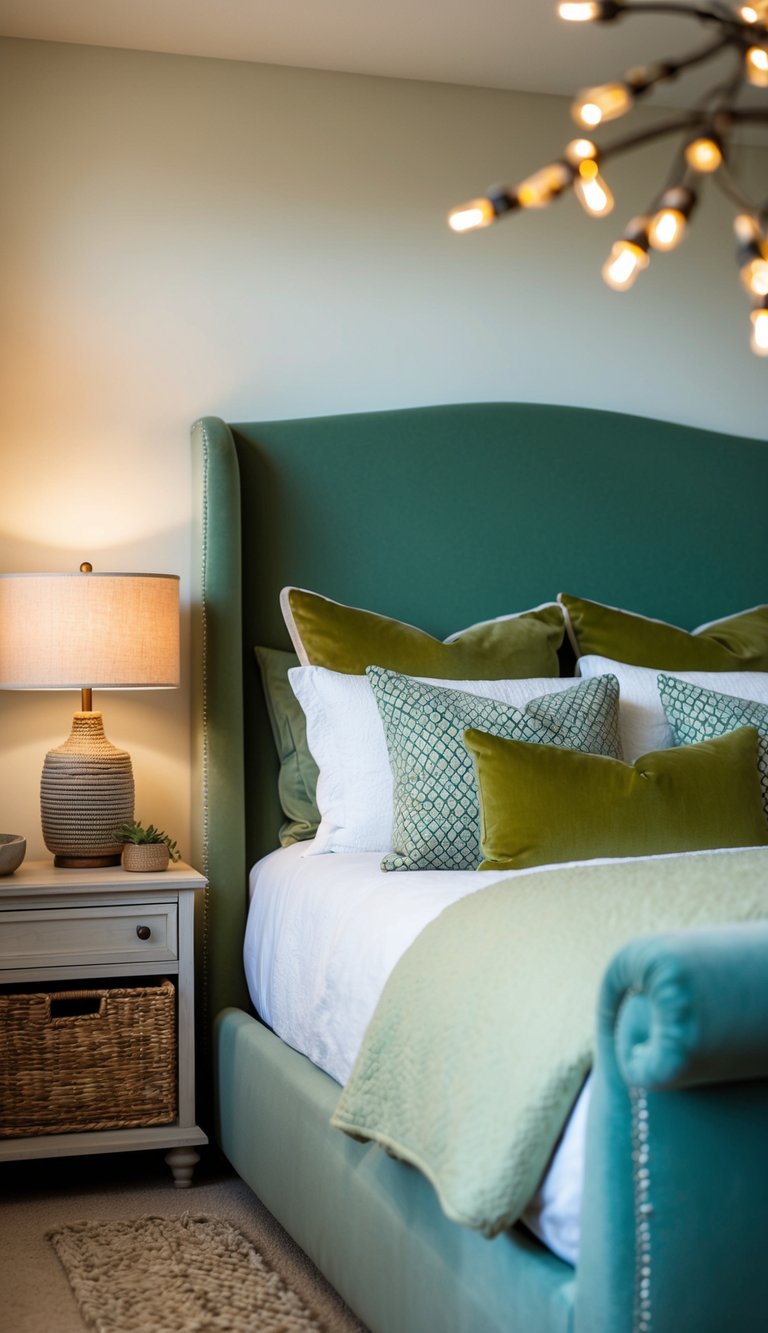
x: 93, y: 935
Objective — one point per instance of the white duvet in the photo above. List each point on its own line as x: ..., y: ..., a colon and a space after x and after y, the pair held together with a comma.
x: 323, y: 935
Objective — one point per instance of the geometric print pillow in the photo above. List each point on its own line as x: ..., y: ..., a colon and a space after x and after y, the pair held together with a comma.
x: 436, y: 815
x: 696, y: 714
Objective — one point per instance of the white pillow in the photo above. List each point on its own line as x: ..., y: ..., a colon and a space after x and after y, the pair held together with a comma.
x: 642, y: 723
x: 346, y: 739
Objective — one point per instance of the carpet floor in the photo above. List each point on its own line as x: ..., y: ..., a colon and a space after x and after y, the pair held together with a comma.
x: 38, y: 1197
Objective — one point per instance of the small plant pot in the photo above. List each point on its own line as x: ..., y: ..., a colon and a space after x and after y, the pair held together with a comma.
x: 145, y: 856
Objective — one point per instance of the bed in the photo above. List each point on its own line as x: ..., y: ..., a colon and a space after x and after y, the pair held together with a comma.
x: 442, y: 517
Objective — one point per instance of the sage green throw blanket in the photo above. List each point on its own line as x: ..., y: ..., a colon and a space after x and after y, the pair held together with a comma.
x: 483, y: 1035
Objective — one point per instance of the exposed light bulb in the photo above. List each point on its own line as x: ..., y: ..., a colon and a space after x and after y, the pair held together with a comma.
x: 469, y: 217
x: 759, y: 340
x: 756, y: 12
x: 588, y: 11
x: 606, y: 102
x: 754, y: 276
x: 669, y: 223
x: 746, y: 228
x: 751, y: 254
x: 703, y: 154
x: 585, y: 12
x: 591, y: 190
x: 757, y: 66
x: 541, y: 188
x: 580, y: 150
x: 667, y: 229
x: 623, y: 265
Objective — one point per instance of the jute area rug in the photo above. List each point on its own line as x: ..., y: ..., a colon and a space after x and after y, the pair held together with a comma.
x: 186, y: 1274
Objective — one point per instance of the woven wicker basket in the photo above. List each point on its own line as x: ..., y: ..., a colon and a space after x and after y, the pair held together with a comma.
x: 145, y: 856
x: 73, y: 1060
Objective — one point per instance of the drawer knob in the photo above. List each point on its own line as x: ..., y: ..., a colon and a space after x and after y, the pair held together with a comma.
x: 143, y: 932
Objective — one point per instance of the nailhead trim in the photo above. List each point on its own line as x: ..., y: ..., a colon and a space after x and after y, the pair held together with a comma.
x: 641, y: 1171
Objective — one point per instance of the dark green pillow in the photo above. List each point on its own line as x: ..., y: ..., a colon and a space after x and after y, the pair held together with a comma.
x: 297, y: 780
x: 540, y: 804
x: 347, y: 639
x: 738, y: 643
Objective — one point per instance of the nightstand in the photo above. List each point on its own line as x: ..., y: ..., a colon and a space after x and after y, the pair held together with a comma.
x: 87, y: 926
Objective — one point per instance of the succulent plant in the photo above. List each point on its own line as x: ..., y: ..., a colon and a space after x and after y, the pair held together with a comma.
x: 137, y: 833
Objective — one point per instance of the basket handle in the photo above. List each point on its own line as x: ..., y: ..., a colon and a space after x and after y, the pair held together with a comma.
x: 72, y: 1005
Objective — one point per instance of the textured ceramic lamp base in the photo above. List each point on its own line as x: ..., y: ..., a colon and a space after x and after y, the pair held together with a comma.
x: 86, y: 792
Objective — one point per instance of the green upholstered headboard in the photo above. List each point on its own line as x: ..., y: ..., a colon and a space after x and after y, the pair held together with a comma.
x: 440, y: 516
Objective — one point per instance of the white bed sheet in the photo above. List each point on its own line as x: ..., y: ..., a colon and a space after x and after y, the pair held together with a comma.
x: 323, y: 935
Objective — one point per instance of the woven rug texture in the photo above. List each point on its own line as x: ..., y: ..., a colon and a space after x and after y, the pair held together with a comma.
x: 186, y: 1274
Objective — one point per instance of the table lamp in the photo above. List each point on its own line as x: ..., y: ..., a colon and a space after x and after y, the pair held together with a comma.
x: 88, y: 631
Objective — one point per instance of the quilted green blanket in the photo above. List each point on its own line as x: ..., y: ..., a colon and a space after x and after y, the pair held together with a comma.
x: 483, y: 1035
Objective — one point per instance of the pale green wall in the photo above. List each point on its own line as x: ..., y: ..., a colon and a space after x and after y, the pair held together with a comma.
x: 184, y: 236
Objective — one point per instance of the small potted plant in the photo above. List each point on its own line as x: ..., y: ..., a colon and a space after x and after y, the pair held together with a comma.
x: 145, y: 849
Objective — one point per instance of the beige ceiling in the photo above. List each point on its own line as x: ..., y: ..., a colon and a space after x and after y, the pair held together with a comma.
x: 489, y: 43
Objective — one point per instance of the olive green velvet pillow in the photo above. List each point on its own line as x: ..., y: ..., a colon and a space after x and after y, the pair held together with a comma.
x: 737, y: 643
x: 346, y: 639
x: 541, y: 804
x: 298, y: 772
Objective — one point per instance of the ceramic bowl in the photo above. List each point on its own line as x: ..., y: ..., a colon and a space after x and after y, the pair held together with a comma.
x: 12, y: 850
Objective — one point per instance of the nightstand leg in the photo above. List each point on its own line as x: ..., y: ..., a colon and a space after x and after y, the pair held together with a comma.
x: 182, y: 1162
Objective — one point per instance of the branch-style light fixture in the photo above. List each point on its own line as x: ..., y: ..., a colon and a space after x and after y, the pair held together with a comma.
x: 705, y: 133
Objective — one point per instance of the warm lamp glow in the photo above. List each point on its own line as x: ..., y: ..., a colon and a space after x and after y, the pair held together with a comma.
x: 667, y: 229
x: 591, y: 190
x: 754, y: 276
x: 539, y: 189
x: 703, y: 154
x: 759, y: 339
x: 580, y: 150
x: 468, y: 217
x: 585, y: 12
x: 85, y: 631
x: 623, y: 265
x: 104, y: 631
x: 757, y: 66
x: 606, y: 102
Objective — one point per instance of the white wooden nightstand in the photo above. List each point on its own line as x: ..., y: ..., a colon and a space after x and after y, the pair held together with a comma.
x: 80, y: 925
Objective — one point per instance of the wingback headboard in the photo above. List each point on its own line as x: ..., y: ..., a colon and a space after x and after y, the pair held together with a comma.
x: 440, y: 516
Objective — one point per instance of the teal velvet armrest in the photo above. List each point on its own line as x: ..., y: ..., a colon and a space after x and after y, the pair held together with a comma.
x: 676, y: 1175
x: 691, y: 1007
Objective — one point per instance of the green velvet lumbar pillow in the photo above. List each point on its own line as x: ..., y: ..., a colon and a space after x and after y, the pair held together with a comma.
x: 541, y: 805
x: 435, y: 813
x: 737, y: 643
x: 697, y: 714
x: 298, y: 772
x: 344, y: 638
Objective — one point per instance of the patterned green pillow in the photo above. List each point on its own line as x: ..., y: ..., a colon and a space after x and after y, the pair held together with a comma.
x: 696, y: 714
x: 436, y: 823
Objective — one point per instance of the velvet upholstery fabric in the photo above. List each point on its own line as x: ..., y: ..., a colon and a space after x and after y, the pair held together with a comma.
x: 522, y: 499
x: 541, y: 804
x: 736, y: 643
x: 346, y: 638
x: 681, y: 1081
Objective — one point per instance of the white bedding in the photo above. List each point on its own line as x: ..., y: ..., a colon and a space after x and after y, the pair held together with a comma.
x: 323, y: 935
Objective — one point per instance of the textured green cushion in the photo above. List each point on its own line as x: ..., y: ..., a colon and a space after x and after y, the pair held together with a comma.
x: 343, y: 638
x: 697, y: 714
x: 435, y: 811
x: 739, y: 643
x: 540, y: 804
x: 297, y: 778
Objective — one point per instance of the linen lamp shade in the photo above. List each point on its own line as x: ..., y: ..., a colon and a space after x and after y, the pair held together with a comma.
x: 88, y: 631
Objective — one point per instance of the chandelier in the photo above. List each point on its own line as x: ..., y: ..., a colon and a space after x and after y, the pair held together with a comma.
x: 703, y: 149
